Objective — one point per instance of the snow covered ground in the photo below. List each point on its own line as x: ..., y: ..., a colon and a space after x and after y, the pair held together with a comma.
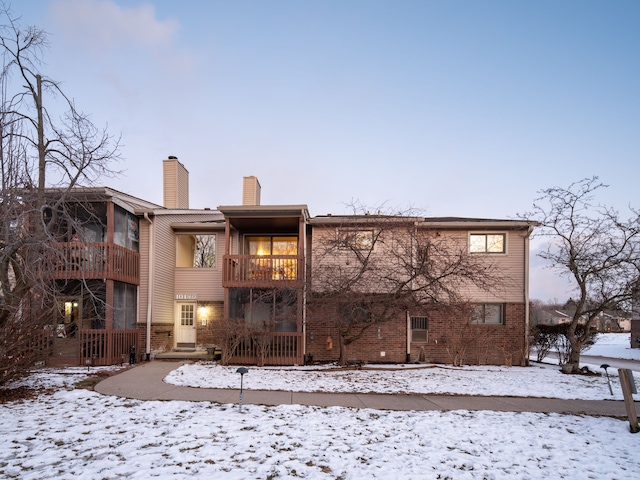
x: 78, y: 433
x: 540, y: 380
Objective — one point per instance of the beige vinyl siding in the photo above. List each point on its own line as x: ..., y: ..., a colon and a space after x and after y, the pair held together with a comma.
x: 510, y: 267
x: 176, y: 185
x: 143, y: 289
x: 205, y: 283
x: 330, y: 262
x: 250, y: 191
x: 169, y: 280
x: 165, y: 254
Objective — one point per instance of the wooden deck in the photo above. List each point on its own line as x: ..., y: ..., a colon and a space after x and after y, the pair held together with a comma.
x: 101, y: 260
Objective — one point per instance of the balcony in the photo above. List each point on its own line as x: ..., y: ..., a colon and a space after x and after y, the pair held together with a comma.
x: 101, y: 260
x: 263, y: 271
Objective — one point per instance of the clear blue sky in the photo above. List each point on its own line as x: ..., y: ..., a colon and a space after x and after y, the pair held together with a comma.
x: 456, y: 107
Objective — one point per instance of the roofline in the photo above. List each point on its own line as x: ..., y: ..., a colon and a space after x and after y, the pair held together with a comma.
x: 249, y: 211
x: 424, y: 222
x: 198, y: 226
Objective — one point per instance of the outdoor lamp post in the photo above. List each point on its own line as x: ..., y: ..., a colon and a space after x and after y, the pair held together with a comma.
x: 605, y: 366
x: 241, y: 371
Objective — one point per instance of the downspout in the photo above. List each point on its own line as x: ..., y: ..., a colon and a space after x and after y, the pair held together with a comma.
x: 150, y: 283
x: 526, y: 293
x: 304, y: 292
x: 408, y: 328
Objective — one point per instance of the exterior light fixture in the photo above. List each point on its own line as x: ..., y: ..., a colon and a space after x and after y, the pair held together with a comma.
x: 605, y: 366
x: 241, y: 371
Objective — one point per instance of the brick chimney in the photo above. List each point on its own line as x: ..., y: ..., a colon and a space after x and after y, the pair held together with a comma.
x: 175, y: 184
x: 250, y: 191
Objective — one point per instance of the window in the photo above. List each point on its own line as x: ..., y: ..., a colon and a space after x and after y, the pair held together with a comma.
x: 354, y: 313
x: 268, y: 245
x: 272, y: 257
x: 487, y: 242
x: 195, y: 251
x: 276, y: 309
x: 187, y: 315
x: 488, y: 313
x: 355, y: 239
x: 419, y: 331
x: 125, y: 230
x: 125, y: 303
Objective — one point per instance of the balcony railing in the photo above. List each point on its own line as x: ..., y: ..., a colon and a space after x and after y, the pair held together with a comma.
x: 281, y: 348
x: 81, y: 260
x: 262, y: 271
x: 106, y: 347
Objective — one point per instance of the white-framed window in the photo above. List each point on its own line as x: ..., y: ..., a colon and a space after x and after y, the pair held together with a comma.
x: 488, y: 313
x: 195, y: 251
x: 487, y: 242
x: 355, y: 239
x: 419, y: 329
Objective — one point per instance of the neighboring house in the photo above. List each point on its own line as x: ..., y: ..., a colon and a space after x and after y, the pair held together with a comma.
x: 616, y: 321
x: 549, y: 316
x: 256, y: 268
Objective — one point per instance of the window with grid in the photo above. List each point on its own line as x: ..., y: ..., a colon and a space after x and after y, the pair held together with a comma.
x: 419, y: 329
x: 187, y: 315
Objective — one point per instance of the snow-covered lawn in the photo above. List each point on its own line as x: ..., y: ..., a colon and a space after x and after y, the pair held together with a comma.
x: 539, y: 380
x: 75, y: 433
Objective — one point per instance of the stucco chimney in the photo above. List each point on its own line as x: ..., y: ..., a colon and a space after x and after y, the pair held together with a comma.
x: 176, y: 184
x: 251, y: 191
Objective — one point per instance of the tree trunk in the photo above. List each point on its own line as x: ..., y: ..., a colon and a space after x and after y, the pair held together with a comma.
x: 342, y: 360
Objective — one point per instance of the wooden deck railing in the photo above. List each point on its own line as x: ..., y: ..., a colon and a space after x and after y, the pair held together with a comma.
x: 83, y: 260
x: 283, y: 348
x: 106, y: 347
x: 262, y: 270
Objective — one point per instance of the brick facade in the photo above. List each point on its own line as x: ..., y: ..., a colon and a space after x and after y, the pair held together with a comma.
x: 502, y: 344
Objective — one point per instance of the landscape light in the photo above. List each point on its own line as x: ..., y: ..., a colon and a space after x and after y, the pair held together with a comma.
x: 241, y: 371
x: 605, y: 366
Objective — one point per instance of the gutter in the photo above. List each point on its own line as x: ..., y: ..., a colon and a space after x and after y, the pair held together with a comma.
x: 527, y: 313
x: 150, y: 285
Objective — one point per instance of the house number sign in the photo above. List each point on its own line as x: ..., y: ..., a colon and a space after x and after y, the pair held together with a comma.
x: 186, y: 296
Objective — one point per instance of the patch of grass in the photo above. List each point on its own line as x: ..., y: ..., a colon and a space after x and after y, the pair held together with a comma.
x: 88, y: 383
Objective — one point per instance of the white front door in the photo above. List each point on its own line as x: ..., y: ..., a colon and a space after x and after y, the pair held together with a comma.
x: 186, y: 325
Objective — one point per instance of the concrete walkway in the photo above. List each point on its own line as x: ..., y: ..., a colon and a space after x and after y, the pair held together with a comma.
x: 145, y: 382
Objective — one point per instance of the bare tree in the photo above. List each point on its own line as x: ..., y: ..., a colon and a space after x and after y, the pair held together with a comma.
x: 44, y: 158
x: 229, y: 333
x: 592, y: 245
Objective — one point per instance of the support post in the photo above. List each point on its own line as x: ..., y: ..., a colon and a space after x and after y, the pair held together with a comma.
x: 626, y: 379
